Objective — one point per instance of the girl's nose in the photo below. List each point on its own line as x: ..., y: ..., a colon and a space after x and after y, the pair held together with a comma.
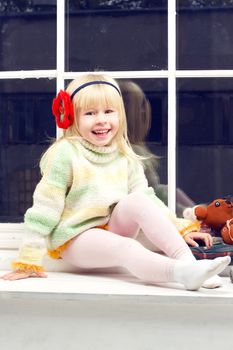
x: 101, y: 117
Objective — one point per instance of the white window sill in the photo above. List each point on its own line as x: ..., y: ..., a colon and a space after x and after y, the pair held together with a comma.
x: 76, y: 286
x: 65, y: 283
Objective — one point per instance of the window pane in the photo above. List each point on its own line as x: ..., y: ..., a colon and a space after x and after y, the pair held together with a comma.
x: 205, y: 138
x: 28, y: 35
x: 204, y: 34
x: 146, y: 111
x: 28, y: 127
x: 116, y: 35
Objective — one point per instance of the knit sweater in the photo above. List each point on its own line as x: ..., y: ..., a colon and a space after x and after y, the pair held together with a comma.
x: 80, y: 186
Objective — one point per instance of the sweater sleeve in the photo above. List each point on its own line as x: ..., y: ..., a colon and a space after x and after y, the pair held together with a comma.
x: 138, y: 182
x: 48, y: 204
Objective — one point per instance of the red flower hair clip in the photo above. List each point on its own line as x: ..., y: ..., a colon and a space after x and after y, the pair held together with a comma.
x: 63, y: 110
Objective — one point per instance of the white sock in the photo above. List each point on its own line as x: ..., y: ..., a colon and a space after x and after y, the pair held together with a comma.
x: 192, y: 274
x: 212, y: 282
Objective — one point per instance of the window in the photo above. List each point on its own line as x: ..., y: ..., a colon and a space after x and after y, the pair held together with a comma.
x: 204, y: 34
x: 28, y: 35
x: 178, y: 54
x: 27, y: 128
x: 204, y: 94
x: 107, y: 35
x: 204, y: 137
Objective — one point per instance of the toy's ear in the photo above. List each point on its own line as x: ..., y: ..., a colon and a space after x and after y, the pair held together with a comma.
x: 200, y: 212
x: 189, y: 213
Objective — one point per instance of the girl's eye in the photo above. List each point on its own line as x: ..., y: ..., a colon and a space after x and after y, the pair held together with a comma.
x: 89, y: 113
x: 108, y: 111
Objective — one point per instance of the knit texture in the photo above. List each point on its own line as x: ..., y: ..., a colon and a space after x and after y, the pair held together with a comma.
x: 80, y: 186
x: 81, y: 183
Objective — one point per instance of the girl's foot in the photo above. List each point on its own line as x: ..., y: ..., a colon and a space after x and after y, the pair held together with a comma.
x: 212, y: 282
x: 192, y: 274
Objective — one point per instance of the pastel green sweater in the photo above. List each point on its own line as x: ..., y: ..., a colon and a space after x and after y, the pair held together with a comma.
x: 80, y: 186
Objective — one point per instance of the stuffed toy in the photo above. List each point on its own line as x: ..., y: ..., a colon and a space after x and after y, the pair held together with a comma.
x: 218, y: 216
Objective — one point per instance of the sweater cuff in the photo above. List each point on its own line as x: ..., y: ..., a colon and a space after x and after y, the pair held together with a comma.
x: 30, y: 258
x: 31, y: 253
x: 19, y: 266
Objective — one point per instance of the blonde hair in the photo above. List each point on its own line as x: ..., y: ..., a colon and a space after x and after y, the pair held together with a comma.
x: 138, y: 114
x: 138, y: 111
x: 93, y: 95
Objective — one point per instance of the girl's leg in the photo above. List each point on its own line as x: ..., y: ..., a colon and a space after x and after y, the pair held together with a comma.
x: 98, y: 248
x: 138, y: 211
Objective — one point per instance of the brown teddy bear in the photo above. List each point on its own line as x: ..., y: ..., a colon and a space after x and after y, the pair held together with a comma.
x: 218, y: 216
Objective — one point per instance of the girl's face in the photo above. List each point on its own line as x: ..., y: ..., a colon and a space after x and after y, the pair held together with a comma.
x: 98, y: 125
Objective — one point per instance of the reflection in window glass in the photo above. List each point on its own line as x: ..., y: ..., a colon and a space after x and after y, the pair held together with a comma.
x: 204, y: 35
x: 116, y: 35
x: 28, y: 128
x: 146, y: 111
x: 27, y: 35
x: 205, y: 138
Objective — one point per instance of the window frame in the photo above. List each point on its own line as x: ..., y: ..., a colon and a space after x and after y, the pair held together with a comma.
x: 171, y: 74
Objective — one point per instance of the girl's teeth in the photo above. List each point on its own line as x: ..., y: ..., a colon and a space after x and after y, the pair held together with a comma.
x: 101, y: 132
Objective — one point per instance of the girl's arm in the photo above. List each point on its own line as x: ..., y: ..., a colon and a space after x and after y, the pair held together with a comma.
x: 44, y: 215
x: 29, y: 261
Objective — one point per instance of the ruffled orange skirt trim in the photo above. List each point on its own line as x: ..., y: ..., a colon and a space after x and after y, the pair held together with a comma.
x: 56, y: 253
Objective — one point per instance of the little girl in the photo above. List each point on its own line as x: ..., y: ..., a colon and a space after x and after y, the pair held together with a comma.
x: 93, y: 199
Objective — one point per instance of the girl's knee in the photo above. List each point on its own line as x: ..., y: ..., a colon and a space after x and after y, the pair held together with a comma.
x: 136, y: 201
x: 126, y: 245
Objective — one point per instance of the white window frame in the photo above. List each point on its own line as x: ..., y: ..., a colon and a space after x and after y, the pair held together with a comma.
x: 171, y: 74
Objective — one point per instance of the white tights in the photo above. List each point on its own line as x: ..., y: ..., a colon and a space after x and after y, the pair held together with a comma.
x: 98, y: 248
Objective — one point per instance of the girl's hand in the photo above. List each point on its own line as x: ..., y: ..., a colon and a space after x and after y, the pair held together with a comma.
x: 18, y: 275
x: 192, y: 236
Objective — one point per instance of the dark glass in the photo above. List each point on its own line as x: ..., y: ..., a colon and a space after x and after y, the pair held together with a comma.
x: 205, y: 138
x: 204, y: 34
x: 116, y: 35
x: 28, y: 35
x: 27, y: 126
x: 146, y: 111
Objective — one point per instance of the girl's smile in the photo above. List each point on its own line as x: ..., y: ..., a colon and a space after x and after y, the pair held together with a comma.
x: 98, y: 125
x: 101, y: 132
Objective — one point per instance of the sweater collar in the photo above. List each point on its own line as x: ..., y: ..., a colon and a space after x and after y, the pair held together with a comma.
x: 98, y: 154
